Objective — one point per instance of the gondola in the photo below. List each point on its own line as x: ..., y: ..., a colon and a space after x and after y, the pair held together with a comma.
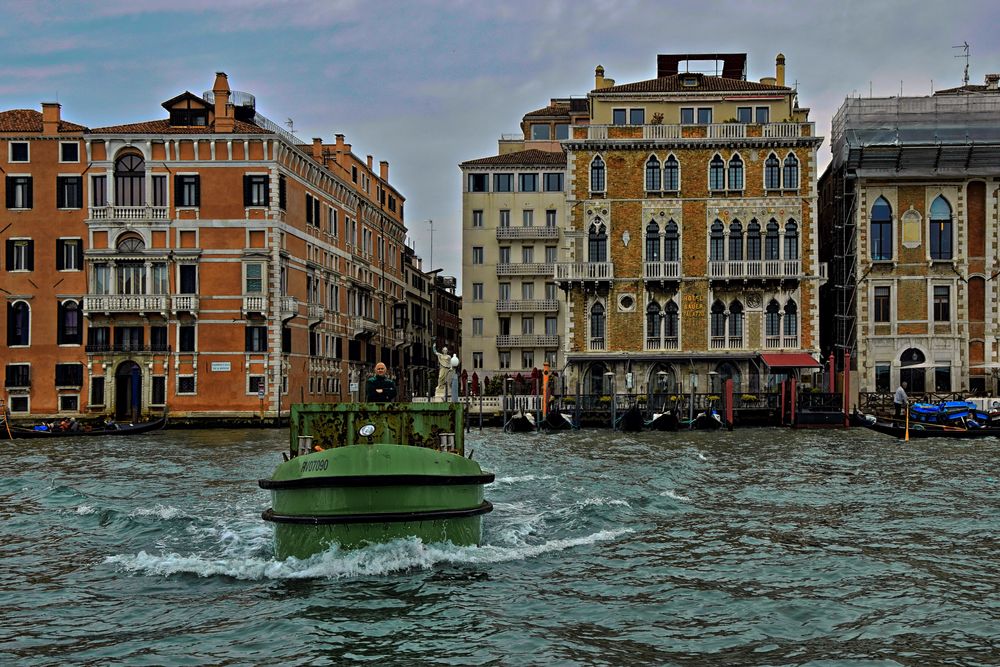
x: 918, y: 430
x: 630, y: 421
x: 665, y: 421
x: 557, y: 421
x: 24, y: 433
x: 520, y: 422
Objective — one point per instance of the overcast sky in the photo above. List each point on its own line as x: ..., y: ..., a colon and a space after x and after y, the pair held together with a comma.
x: 427, y: 85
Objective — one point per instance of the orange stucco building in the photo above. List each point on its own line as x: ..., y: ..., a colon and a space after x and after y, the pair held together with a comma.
x: 208, y: 263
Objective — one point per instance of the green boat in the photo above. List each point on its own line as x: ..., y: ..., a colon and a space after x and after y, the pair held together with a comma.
x: 364, y: 473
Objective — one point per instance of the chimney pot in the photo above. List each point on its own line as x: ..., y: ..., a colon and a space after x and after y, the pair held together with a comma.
x: 992, y: 81
x: 779, y: 69
x: 383, y: 170
x: 370, y: 161
x: 50, y: 117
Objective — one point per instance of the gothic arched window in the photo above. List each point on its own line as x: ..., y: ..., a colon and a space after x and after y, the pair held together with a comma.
x: 940, y: 228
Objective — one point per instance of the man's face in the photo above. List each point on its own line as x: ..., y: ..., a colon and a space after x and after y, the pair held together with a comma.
x: 380, y: 369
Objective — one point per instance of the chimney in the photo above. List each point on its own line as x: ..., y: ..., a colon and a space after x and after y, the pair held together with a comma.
x: 383, y: 170
x: 779, y: 69
x: 50, y: 117
x: 370, y: 162
x: 224, y: 121
x: 599, y: 78
x: 340, y: 143
x: 991, y: 81
x: 318, y: 149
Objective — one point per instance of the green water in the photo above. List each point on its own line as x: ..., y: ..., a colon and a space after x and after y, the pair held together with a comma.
x: 758, y: 547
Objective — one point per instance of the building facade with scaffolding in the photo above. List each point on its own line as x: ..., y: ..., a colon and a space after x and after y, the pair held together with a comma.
x: 690, y: 250
x: 910, y: 205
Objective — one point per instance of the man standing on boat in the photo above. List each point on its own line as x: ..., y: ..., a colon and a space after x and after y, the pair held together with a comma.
x: 900, y: 399
x: 379, y: 388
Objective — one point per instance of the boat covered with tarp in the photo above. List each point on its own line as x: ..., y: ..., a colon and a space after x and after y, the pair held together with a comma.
x: 914, y: 430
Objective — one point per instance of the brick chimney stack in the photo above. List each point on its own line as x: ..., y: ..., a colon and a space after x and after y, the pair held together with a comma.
x: 317, y: 151
x: 383, y: 170
x: 779, y: 69
x: 50, y: 117
x: 224, y: 116
x: 371, y: 161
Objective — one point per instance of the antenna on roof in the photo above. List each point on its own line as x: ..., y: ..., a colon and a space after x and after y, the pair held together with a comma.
x: 291, y: 125
x: 965, y: 48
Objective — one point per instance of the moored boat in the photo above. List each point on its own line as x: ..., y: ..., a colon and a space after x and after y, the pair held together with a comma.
x: 663, y: 421
x: 521, y: 421
x: 370, y: 473
x: 899, y: 429
x: 631, y: 421
x: 43, y: 432
x: 557, y: 421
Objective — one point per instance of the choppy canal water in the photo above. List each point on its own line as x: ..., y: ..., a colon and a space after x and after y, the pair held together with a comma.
x: 754, y: 547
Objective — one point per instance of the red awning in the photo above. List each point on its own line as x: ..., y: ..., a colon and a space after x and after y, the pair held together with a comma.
x: 792, y: 360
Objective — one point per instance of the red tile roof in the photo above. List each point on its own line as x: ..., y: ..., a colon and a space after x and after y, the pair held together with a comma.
x: 551, y: 110
x: 29, y: 120
x: 528, y: 157
x: 164, y: 127
x: 672, y: 84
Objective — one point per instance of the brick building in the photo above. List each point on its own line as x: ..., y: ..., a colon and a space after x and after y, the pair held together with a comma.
x: 690, y: 251
x: 910, y: 203
x: 207, y: 263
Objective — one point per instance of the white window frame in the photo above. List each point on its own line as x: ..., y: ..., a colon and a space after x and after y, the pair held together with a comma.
x: 32, y: 181
x: 23, y: 262
x: 263, y: 380
x: 177, y: 385
x: 263, y: 277
x: 68, y: 410
x: 69, y: 143
x: 19, y: 397
x: 10, y: 153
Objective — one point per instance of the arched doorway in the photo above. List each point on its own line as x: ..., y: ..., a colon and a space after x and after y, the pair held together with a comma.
x: 128, y: 391
x: 595, y: 382
x: 912, y: 371
x: 726, y: 371
x: 662, y: 383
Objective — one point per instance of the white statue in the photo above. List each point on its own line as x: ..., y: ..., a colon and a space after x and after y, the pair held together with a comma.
x: 444, y: 365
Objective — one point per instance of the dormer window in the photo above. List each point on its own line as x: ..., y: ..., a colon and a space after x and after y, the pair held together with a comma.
x: 689, y: 81
x: 188, y: 117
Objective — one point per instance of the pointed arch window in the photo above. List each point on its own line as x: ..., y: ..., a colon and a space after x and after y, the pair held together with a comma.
x: 652, y: 242
x: 652, y: 174
x: 771, y: 240
x: 940, y: 231
x: 653, y: 322
x: 18, y: 324
x: 791, y: 318
x: 772, y: 320
x: 735, y: 241
x: 791, y: 175
x: 791, y: 240
x: 735, y: 173
x: 597, y: 242
x: 717, y: 174
x: 736, y: 319
x: 772, y: 173
x: 671, y: 175
x: 597, y: 322
x: 717, y: 242
x: 753, y: 240
x: 718, y: 319
x: 597, y: 174
x: 881, y: 230
x: 130, y: 180
x: 670, y: 320
x: 671, y: 243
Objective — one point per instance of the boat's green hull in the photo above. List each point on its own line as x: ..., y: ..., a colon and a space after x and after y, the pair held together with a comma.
x: 363, y: 494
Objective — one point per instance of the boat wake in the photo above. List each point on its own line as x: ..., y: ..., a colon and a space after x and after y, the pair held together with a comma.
x: 376, y: 560
x: 675, y: 496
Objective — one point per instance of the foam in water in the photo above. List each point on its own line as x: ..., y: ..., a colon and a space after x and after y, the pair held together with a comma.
x: 162, y: 511
x: 85, y: 509
x: 378, y: 559
x: 521, y: 478
x: 675, y: 496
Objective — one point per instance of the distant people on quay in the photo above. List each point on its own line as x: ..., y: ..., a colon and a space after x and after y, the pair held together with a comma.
x: 379, y: 388
x: 899, y: 399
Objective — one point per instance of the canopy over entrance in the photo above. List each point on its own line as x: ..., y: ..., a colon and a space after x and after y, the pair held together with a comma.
x: 790, y: 360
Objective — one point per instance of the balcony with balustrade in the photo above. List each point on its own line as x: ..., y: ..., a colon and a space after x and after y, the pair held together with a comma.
x: 112, y: 304
x: 126, y: 348
x: 584, y: 273
x: 527, y: 305
x: 726, y: 343
x: 758, y: 270
x: 696, y: 132
x: 316, y: 314
x: 664, y: 343
x: 661, y: 271
x: 524, y: 269
x: 527, y: 233
x: 184, y: 303
x: 528, y: 341
x: 363, y: 327
x: 781, y: 342
x: 128, y: 214
x: 288, y: 307
x: 255, y: 306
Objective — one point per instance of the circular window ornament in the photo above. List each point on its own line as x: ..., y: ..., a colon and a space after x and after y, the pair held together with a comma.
x: 626, y: 303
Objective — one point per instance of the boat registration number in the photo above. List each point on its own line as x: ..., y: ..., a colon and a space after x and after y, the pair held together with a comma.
x: 313, y: 466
